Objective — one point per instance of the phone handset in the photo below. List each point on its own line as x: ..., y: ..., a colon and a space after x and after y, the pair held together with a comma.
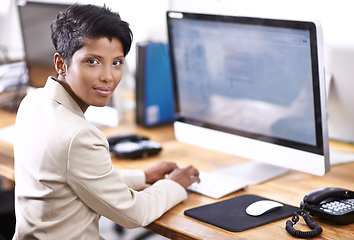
x: 319, y: 195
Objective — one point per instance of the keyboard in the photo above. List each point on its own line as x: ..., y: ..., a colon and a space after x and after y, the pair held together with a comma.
x: 215, y: 186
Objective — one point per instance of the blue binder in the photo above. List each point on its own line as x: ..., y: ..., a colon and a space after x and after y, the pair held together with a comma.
x: 154, y: 90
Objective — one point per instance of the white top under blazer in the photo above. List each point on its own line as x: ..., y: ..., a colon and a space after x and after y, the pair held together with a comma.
x: 65, y: 178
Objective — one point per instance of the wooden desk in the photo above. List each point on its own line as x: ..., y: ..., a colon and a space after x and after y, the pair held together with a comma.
x: 289, y: 188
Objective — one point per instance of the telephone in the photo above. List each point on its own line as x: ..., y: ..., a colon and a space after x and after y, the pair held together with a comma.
x: 335, y: 204
x: 133, y: 146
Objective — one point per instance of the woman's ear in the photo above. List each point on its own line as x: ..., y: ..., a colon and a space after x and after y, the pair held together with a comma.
x: 60, y: 65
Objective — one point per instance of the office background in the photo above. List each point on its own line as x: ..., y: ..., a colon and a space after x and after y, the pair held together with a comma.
x: 147, y: 18
x: 148, y: 22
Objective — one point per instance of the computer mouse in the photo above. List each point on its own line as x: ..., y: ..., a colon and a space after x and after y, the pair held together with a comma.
x: 262, y: 206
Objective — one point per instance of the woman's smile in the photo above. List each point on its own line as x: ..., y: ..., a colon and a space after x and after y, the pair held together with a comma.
x: 103, y: 91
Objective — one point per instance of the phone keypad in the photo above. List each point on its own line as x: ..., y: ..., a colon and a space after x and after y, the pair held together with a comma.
x: 338, y: 207
x: 126, y: 146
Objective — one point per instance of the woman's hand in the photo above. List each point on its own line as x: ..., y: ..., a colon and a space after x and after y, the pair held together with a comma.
x: 184, y: 176
x: 159, y: 171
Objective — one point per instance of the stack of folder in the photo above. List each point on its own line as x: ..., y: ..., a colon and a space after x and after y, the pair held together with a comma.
x: 13, y: 84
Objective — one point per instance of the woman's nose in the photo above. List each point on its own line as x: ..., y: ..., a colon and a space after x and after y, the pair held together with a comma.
x: 106, y: 74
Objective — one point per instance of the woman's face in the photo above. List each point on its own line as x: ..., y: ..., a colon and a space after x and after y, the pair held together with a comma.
x: 95, y: 72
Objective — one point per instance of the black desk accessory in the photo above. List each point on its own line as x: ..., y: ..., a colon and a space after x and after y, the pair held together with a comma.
x: 231, y: 214
x: 133, y: 146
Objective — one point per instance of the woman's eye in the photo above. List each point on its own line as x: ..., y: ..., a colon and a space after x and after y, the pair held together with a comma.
x: 92, y: 61
x: 117, y: 63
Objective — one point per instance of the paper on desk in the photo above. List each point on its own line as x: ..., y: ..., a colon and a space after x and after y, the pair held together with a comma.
x: 12, y: 75
x: 102, y: 116
x: 339, y: 157
x: 7, y: 133
x: 105, y: 116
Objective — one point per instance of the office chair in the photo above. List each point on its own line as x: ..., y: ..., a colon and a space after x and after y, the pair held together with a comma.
x: 120, y: 230
x: 7, y: 214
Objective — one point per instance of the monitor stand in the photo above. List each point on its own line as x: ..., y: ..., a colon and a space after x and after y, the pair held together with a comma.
x: 252, y: 172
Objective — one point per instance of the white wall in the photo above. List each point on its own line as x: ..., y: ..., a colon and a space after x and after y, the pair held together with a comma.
x: 147, y: 18
x: 10, y: 36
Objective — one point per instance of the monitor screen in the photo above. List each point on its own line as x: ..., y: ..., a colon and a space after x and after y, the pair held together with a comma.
x: 260, y: 80
x: 35, y: 20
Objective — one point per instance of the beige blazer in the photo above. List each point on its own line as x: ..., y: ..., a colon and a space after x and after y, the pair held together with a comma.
x: 65, y: 179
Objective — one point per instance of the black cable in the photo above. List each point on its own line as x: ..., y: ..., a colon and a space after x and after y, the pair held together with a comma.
x: 316, y: 229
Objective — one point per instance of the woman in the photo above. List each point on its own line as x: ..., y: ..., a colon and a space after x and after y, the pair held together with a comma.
x: 64, y: 176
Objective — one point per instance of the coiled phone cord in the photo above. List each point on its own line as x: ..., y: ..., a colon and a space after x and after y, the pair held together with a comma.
x: 316, y: 229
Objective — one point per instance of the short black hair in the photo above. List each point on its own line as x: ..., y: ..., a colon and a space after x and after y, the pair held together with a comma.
x: 87, y: 21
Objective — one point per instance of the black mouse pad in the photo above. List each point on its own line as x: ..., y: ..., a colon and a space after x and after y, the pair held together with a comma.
x: 231, y: 214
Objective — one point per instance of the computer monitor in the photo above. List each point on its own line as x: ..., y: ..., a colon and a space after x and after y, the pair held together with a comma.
x: 35, y: 20
x: 251, y: 87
